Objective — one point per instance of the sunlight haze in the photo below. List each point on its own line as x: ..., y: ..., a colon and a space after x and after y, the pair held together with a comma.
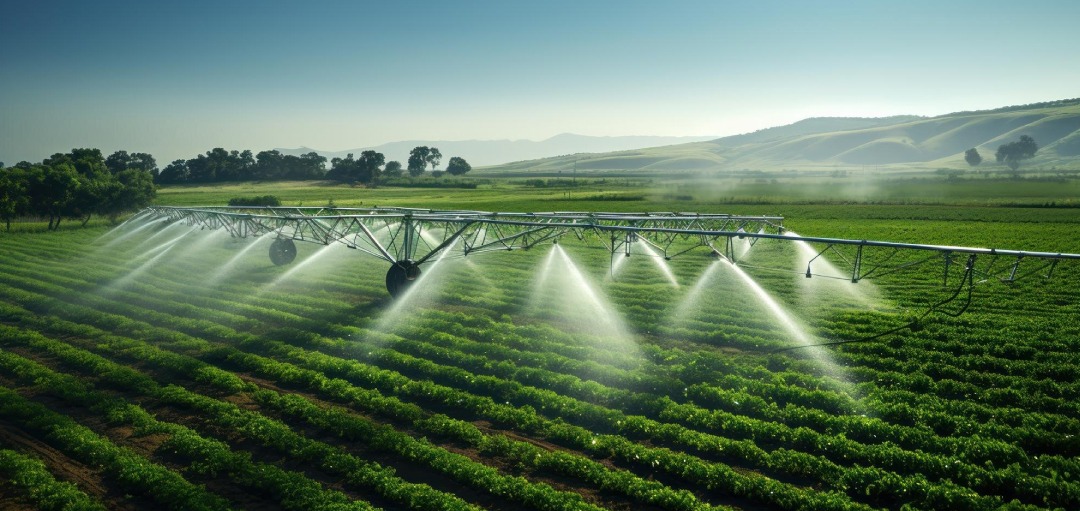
x: 177, y: 79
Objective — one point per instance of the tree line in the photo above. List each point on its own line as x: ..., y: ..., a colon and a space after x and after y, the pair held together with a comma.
x: 77, y: 185
x: 219, y: 165
x: 83, y: 182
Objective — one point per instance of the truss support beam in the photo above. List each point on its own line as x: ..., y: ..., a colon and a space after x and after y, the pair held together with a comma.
x: 398, y: 234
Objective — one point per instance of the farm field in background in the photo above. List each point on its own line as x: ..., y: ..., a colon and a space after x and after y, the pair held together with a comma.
x: 663, y: 192
x: 181, y: 369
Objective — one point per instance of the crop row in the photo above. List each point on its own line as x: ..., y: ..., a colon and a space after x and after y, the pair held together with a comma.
x: 1003, y: 481
x: 630, y: 447
x: 381, y: 437
x: 133, y: 473
x: 208, y: 457
x: 838, y: 448
x: 699, y: 391
x: 31, y: 478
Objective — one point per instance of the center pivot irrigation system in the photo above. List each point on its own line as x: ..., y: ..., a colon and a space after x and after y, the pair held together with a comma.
x: 408, y: 238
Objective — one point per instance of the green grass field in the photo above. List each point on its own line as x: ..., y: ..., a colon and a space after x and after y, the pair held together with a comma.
x: 659, y: 193
x: 181, y: 369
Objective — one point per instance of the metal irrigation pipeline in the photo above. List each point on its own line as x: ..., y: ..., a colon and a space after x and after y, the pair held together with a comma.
x: 408, y: 238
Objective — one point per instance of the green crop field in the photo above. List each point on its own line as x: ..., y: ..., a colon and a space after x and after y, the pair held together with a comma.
x: 164, y: 367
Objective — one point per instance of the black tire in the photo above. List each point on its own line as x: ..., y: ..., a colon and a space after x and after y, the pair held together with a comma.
x: 282, y: 251
x: 400, y: 277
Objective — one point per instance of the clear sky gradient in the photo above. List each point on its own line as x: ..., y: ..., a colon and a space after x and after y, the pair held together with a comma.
x: 176, y: 79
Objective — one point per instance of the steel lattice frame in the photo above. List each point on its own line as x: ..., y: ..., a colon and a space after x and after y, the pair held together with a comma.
x: 416, y: 235
x: 396, y: 234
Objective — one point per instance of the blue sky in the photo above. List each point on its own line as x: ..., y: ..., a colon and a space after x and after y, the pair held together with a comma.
x: 176, y: 79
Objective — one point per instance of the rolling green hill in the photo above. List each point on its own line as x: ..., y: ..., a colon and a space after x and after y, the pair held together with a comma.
x: 891, y: 143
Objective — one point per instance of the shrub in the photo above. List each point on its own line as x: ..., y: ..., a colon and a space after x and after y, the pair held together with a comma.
x: 265, y: 200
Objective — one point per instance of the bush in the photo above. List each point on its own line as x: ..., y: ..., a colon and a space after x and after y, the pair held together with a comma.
x: 265, y: 200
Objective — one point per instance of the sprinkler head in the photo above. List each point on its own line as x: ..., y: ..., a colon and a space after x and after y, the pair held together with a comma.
x: 808, y: 274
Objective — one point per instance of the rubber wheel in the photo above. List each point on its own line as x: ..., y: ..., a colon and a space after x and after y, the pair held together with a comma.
x: 400, y: 276
x: 282, y: 251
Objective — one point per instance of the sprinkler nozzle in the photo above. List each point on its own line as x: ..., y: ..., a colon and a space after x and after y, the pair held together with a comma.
x: 808, y: 274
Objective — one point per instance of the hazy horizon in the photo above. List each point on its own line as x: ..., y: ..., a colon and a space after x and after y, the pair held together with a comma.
x: 176, y: 80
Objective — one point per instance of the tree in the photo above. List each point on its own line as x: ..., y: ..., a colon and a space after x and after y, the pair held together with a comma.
x: 218, y: 166
x: 972, y: 157
x: 238, y: 166
x: 80, y: 184
x: 51, y: 189
x: 342, y: 169
x: 418, y: 158
x: 271, y: 165
x: 1014, y: 152
x: 362, y: 170
x: 56, y: 159
x: 56, y: 196
x: 368, y: 167
x: 458, y: 166
x: 175, y: 172
x: 118, y: 161
x: 88, y: 162
x: 92, y: 195
x: 14, y: 201
x: 200, y: 170
x: 134, y: 189
x: 433, y: 157
x: 392, y: 169
x: 309, y: 166
x: 146, y: 163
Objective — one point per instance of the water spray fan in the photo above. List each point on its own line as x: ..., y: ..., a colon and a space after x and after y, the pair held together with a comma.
x: 409, y: 238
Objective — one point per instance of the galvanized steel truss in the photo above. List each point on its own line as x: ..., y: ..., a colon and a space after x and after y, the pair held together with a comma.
x: 410, y: 234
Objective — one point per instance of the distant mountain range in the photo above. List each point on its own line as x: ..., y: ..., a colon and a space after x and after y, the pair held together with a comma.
x: 901, y: 142
x: 887, y: 143
x: 494, y: 152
